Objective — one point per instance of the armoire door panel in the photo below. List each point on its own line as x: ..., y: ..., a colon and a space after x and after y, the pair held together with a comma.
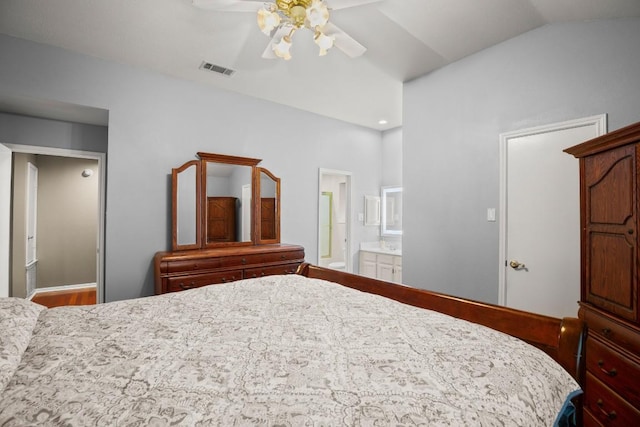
x: 612, y: 273
x: 606, y: 206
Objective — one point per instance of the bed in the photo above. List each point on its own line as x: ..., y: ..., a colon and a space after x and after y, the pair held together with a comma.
x: 298, y: 350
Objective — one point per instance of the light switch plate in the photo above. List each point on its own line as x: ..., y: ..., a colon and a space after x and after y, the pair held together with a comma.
x: 491, y: 214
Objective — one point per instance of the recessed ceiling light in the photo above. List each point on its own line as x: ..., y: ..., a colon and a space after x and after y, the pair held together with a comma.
x: 382, y: 122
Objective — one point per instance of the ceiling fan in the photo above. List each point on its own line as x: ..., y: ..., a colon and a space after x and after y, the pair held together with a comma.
x: 280, y: 19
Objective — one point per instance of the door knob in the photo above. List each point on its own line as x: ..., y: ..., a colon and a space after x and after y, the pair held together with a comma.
x: 516, y: 265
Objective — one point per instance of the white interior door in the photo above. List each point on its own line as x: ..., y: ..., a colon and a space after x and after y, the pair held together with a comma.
x: 31, y: 222
x: 5, y: 218
x: 540, y: 235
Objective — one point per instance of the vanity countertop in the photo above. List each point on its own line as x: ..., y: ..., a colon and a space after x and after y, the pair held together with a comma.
x: 377, y: 247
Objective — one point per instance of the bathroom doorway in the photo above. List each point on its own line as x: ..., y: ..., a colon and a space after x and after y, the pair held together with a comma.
x: 80, y: 176
x: 334, y: 219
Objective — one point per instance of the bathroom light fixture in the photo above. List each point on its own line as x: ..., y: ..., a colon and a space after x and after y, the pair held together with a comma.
x: 382, y: 122
x: 287, y: 16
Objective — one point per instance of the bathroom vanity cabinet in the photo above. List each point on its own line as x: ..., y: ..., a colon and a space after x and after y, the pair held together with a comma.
x: 383, y: 266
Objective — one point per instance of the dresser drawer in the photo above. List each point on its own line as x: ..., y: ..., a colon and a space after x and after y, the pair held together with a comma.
x: 181, y: 283
x: 193, y: 264
x: 606, y: 406
x: 270, y: 271
x: 614, y: 369
x: 605, y: 328
x: 282, y: 256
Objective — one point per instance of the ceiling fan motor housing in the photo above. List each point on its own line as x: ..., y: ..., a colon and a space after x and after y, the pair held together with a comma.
x: 294, y: 9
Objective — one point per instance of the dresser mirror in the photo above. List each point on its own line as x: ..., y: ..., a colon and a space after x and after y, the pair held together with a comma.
x: 227, y: 207
x: 214, y: 203
x: 391, y: 211
x: 186, y: 206
x: 269, y: 207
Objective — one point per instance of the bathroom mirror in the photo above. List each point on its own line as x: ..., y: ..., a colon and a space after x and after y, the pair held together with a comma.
x: 269, y: 209
x: 186, y: 206
x: 372, y: 210
x: 223, y: 200
x: 391, y: 211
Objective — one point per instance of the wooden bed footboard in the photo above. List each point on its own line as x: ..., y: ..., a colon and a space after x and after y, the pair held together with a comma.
x: 562, y: 339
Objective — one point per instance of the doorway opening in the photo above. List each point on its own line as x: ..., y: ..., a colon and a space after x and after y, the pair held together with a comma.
x: 63, y: 249
x: 334, y: 220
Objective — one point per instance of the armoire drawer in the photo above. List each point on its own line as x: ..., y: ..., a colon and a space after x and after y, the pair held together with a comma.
x: 606, y: 329
x: 606, y: 406
x: 181, y: 283
x: 614, y: 369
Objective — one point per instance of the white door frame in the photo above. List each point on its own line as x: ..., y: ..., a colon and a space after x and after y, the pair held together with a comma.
x: 5, y: 218
x: 600, y: 124
x: 348, y: 214
x: 101, y: 159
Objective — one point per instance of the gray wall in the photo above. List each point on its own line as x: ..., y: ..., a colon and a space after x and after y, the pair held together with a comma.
x: 452, y: 121
x: 392, y: 157
x: 158, y: 122
x: 24, y: 130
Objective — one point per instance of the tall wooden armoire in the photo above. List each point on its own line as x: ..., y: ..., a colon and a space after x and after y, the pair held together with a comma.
x: 609, y: 206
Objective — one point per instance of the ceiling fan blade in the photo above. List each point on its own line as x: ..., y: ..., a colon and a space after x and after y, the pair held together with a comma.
x: 229, y: 5
x: 343, y: 4
x: 343, y: 41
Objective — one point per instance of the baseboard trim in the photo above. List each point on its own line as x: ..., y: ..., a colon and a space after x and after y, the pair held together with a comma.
x: 61, y: 288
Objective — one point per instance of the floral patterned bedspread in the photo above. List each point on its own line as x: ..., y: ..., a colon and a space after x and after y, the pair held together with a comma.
x: 279, y: 350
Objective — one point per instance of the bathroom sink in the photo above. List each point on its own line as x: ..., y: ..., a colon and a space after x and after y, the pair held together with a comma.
x: 379, y: 248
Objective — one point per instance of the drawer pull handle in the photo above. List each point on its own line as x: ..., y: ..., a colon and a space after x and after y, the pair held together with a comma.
x: 224, y: 280
x: 244, y: 261
x: 610, y: 415
x: 189, y: 286
x: 283, y: 256
x: 606, y: 332
x: 611, y: 372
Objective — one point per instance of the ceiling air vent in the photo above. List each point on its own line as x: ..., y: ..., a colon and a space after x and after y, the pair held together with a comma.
x: 216, y: 68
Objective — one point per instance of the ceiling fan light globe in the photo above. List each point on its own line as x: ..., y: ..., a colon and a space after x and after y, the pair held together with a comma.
x: 317, y: 14
x: 281, y: 49
x: 323, y: 41
x: 268, y: 20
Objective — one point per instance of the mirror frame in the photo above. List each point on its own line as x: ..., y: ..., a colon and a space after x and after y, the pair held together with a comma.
x: 258, y: 207
x: 201, y: 202
x: 174, y: 206
x: 206, y: 158
x: 384, y: 230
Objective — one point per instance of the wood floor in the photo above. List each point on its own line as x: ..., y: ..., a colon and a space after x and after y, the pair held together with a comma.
x: 67, y: 297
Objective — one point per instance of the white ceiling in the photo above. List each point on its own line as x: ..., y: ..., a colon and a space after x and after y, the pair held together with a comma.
x: 404, y: 38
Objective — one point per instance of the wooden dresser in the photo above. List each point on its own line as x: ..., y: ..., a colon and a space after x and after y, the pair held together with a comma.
x: 609, y: 299
x: 181, y: 270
